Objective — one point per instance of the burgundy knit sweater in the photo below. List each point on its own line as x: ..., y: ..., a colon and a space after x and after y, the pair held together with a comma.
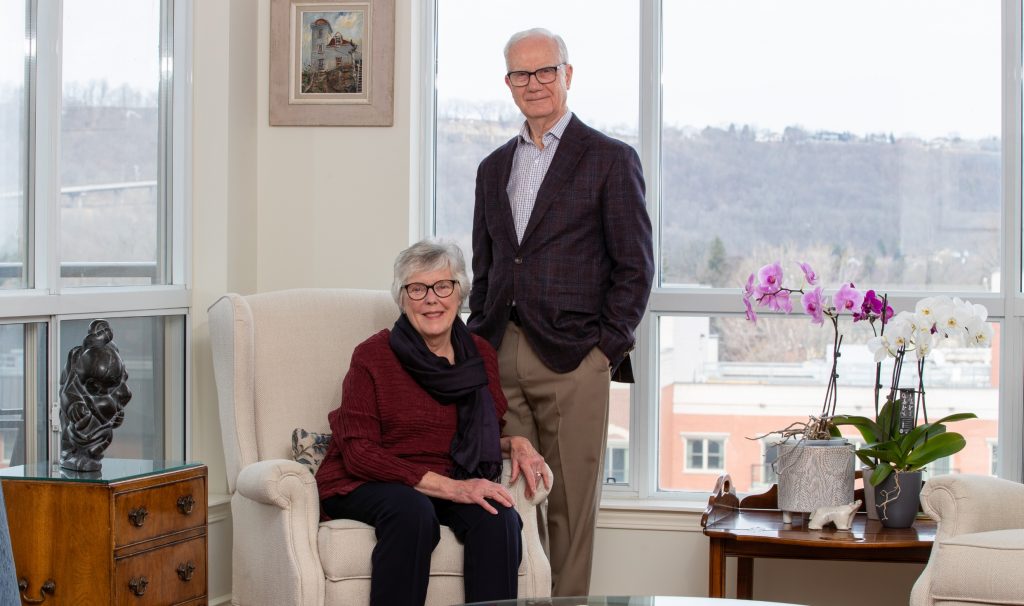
x: 388, y: 429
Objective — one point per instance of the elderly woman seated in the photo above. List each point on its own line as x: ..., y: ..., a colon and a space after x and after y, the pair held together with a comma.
x: 418, y: 440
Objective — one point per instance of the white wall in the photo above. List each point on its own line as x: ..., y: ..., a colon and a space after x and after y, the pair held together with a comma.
x: 275, y: 207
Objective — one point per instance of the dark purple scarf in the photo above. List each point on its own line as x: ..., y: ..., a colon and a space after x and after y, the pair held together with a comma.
x: 476, y: 447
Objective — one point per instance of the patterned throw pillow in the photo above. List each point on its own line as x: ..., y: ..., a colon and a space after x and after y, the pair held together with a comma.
x: 309, y: 448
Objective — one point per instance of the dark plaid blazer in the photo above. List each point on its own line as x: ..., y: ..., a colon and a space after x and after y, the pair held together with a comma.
x: 583, y: 273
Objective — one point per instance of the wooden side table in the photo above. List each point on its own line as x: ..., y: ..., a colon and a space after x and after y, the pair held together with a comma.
x: 753, y: 528
x: 133, y: 533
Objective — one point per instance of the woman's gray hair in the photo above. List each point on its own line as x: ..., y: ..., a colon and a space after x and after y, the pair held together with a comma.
x: 540, y: 32
x: 430, y: 255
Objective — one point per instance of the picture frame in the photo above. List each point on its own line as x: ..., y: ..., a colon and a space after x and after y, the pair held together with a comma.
x: 332, y: 63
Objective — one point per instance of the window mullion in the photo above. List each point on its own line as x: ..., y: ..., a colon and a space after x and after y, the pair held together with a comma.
x: 644, y: 406
x: 46, y: 108
x: 179, y: 169
x: 1011, y: 389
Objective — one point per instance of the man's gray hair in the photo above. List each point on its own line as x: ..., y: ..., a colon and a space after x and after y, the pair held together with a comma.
x: 426, y: 256
x: 563, y: 53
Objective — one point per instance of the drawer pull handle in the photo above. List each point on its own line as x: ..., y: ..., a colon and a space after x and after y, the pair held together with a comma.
x: 49, y: 587
x: 186, y: 504
x: 138, y: 516
x: 138, y: 586
x: 185, y: 570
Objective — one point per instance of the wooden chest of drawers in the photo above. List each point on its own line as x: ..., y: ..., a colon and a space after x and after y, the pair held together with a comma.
x: 134, y: 536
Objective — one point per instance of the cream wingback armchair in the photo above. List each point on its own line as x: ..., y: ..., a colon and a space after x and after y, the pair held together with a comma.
x: 279, y: 359
x: 978, y: 554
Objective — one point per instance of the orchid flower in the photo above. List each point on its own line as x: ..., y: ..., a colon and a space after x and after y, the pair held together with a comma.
x: 769, y: 278
x: 812, y: 278
x: 813, y: 306
x: 848, y: 298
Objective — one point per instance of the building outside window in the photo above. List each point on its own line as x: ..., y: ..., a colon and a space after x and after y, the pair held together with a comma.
x: 882, y: 166
x: 91, y: 213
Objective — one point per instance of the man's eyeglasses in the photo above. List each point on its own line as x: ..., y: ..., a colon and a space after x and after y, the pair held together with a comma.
x: 545, y: 75
x: 417, y: 291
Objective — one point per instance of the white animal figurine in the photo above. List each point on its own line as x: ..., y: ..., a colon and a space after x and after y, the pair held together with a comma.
x: 840, y: 515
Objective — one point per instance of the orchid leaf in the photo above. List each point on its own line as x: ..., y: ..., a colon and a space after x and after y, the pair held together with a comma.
x: 869, y: 430
x: 960, y: 416
x: 934, y: 449
x: 880, y: 474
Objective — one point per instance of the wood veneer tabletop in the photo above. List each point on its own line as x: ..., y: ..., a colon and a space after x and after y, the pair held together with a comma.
x: 767, y: 526
x: 726, y: 517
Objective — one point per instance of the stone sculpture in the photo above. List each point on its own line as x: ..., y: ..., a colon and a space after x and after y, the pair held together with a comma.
x: 840, y: 515
x: 93, y: 393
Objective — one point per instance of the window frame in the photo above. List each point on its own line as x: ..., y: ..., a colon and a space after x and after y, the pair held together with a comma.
x: 1005, y: 306
x: 44, y: 299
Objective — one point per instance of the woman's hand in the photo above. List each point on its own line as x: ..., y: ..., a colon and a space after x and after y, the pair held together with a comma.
x: 478, y: 490
x: 526, y: 461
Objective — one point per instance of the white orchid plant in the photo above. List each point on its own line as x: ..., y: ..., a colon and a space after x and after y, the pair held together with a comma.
x: 933, y: 320
x: 894, y: 441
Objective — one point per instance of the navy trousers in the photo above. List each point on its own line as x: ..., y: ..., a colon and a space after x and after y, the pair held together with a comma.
x: 408, y: 527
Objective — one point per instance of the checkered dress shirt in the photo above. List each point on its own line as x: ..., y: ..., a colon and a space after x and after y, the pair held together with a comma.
x: 529, y: 165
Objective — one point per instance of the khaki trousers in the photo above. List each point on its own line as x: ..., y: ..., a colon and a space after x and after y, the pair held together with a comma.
x: 565, y: 416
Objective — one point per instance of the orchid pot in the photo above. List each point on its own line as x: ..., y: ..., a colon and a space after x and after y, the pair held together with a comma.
x: 813, y: 474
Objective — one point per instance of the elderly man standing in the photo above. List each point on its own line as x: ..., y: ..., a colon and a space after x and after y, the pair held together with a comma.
x: 562, y: 269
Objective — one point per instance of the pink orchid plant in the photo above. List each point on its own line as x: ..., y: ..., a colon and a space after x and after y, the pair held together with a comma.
x: 766, y: 288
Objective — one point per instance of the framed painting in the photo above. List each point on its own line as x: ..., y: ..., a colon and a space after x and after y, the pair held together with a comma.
x: 332, y: 63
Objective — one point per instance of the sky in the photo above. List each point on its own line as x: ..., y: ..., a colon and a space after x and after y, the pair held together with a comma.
x: 98, y: 36
x: 928, y: 68
x: 349, y: 24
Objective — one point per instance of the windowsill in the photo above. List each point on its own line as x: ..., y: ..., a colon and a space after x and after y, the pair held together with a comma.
x: 677, y: 515
x: 680, y: 505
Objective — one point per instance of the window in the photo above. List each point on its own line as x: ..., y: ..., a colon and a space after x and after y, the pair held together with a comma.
x: 616, y: 463
x: 13, y: 152
x: 23, y: 365
x: 704, y: 454
x: 110, y: 207
x: 721, y: 371
x: 765, y: 473
x: 92, y: 146
x: 892, y: 167
x: 940, y: 467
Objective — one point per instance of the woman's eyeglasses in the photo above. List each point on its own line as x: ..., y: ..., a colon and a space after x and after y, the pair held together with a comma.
x: 417, y: 291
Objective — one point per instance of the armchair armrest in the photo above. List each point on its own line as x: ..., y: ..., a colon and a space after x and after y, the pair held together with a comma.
x: 518, y: 489
x: 276, y: 503
x: 965, y: 503
x: 278, y: 482
x: 538, y: 581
